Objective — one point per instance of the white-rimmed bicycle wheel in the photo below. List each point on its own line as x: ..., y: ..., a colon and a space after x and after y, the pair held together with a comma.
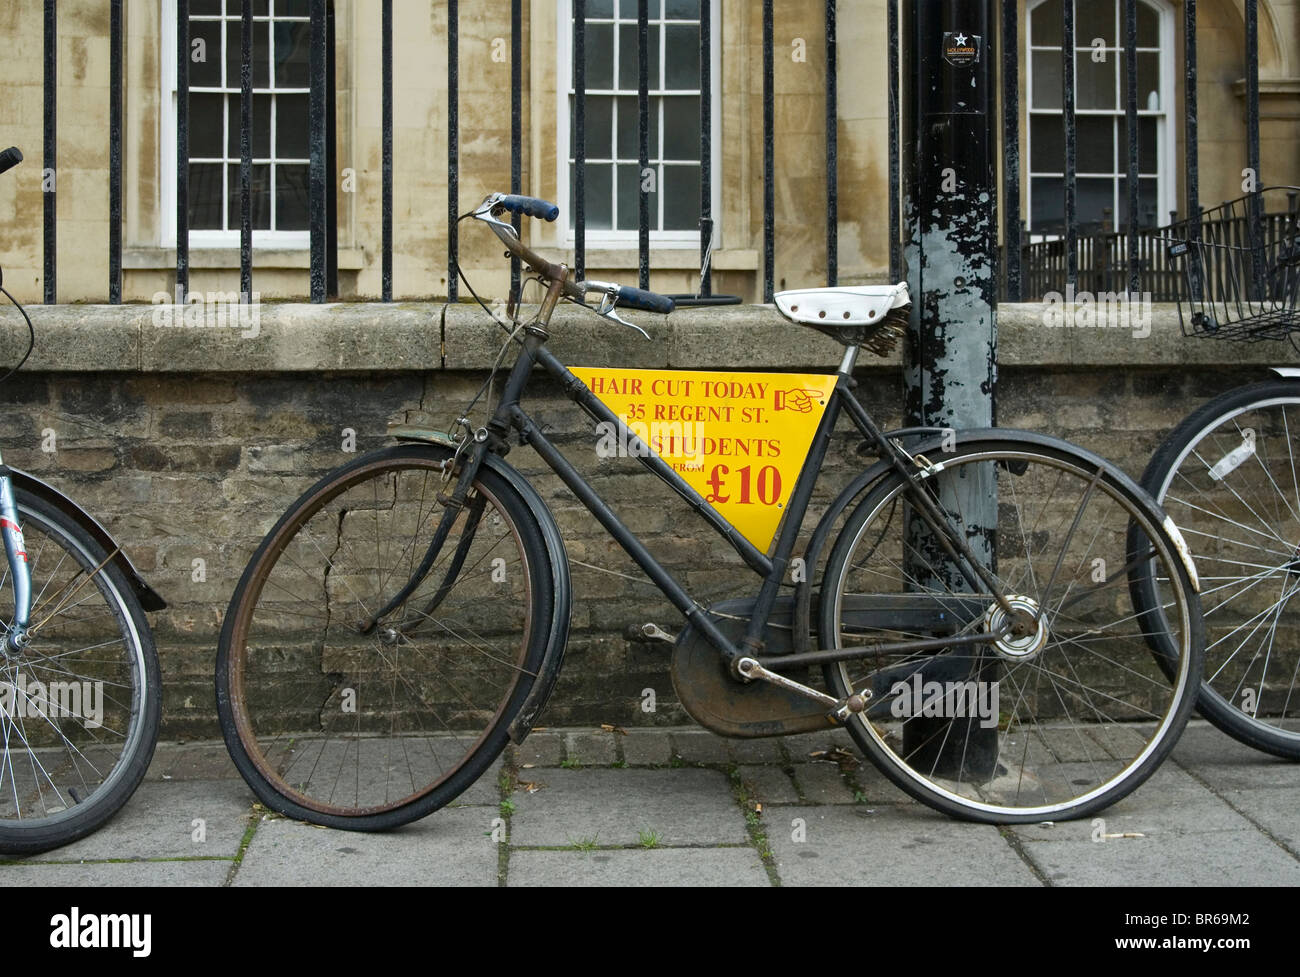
x: 1072, y: 709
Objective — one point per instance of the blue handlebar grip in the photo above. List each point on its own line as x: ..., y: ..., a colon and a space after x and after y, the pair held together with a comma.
x: 10, y: 158
x: 529, y: 206
x: 636, y: 298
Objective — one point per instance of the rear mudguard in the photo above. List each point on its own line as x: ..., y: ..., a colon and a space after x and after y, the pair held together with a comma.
x: 149, y: 598
x: 932, y: 447
x: 553, y: 657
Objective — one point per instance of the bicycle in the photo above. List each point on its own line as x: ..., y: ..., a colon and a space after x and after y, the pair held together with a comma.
x: 407, y: 616
x: 80, y: 695
x: 1228, y: 472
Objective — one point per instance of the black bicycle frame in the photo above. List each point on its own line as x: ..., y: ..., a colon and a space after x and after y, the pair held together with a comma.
x: 510, y: 415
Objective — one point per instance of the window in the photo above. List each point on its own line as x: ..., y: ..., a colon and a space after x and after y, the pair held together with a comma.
x: 1101, y: 154
x: 612, y: 169
x: 281, y: 32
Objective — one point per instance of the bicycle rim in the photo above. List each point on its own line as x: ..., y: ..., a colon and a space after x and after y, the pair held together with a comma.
x: 79, y: 703
x: 369, y: 730
x: 1234, y: 489
x: 1054, y: 722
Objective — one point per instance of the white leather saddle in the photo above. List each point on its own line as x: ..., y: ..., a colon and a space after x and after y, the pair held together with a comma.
x: 851, y: 314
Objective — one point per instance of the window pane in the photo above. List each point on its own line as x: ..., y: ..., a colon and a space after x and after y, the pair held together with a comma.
x: 628, y: 122
x: 682, y: 9
x: 291, y: 198
x: 681, y: 198
x: 1096, y: 204
x: 600, y: 8
x: 1094, y: 144
x: 599, y: 212
x: 291, y: 53
x: 234, y: 54
x: 261, y: 126
x: 600, y: 127
x: 205, y: 54
x: 629, y: 193
x: 236, y: 7
x: 1047, y: 80
x: 204, y: 7
x: 1094, y: 82
x: 1046, y: 144
x: 600, y: 56
x: 259, y: 198
x: 205, y: 196
x: 1093, y: 19
x: 292, y: 115
x: 1148, y: 26
x: 206, y: 113
x: 627, y: 54
x: 627, y: 8
x: 292, y: 8
x: 1046, y: 25
x: 682, y: 127
x: 1148, y: 203
x: 1148, y: 148
x: 682, y: 57
x: 1047, y: 204
x: 1149, y: 81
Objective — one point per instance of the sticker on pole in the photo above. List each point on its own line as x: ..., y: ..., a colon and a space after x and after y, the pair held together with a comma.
x: 739, y: 439
x: 961, y: 50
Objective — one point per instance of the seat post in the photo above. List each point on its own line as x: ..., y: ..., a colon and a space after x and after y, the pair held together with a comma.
x: 850, y: 360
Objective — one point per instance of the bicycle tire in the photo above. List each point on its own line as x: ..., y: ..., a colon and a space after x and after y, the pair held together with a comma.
x: 92, y: 727
x: 300, y: 688
x: 1090, y: 715
x: 1251, y: 692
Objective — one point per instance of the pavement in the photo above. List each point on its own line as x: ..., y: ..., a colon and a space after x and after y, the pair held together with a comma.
x: 682, y: 807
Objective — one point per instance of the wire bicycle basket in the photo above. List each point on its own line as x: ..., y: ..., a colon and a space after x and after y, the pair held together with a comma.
x: 1240, y: 267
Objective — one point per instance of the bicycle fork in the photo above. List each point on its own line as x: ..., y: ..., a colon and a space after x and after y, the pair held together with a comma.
x: 16, y: 634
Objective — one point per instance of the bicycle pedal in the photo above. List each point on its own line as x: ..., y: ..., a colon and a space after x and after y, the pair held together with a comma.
x: 655, y: 633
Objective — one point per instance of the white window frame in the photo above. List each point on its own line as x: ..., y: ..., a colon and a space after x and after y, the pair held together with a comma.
x: 206, y: 238
x: 1166, y: 134
x: 613, y: 239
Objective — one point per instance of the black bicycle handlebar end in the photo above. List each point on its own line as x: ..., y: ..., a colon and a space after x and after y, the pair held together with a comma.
x: 10, y: 158
x: 636, y: 298
x: 529, y: 206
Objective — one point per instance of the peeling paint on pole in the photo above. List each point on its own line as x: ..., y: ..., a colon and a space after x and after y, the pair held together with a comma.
x: 950, y: 241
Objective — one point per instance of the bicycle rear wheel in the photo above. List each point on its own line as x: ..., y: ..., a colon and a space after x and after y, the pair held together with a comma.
x: 1229, y: 477
x: 1055, y: 721
x: 367, y: 730
x: 80, y: 703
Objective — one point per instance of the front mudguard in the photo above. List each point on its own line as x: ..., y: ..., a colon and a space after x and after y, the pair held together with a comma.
x: 558, y: 559
x: 149, y: 598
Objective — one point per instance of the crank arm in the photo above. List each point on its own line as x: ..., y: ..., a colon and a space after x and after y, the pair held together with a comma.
x: 750, y: 669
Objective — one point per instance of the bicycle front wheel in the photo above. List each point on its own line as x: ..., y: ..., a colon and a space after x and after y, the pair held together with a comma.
x: 1228, y: 475
x: 80, y: 703
x: 367, y: 728
x: 1067, y: 712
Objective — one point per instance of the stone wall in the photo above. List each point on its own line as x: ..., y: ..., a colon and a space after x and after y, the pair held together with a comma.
x: 189, y: 443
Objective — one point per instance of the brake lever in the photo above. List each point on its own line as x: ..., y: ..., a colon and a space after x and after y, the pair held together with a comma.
x: 608, y: 301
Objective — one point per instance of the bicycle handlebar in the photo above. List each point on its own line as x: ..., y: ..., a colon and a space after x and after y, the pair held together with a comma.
x: 529, y: 206
x: 10, y: 158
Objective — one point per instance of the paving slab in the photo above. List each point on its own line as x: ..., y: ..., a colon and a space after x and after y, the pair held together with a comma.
x: 683, y: 806
x: 198, y: 761
x: 727, y: 867
x: 191, y: 872
x: 450, y: 847
x: 889, y: 846
x: 590, y: 749
x: 646, y: 747
x: 159, y: 822
x: 822, y: 783
x: 757, y: 751
x: 700, y: 746
x: 542, y: 748
x: 770, y: 785
x: 1275, y: 809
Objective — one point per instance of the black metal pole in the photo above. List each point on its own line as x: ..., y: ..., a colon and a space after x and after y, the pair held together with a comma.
x: 331, y: 162
x: 769, y: 166
x: 579, y: 139
x: 1190, y: 137
x: 316, y: 171
x: 1069, y: 120
x: 1011, y: 149
x: 895, y: 180
x: 1134, y: 138
x: 950, y: 358
x: 246, y: 153
x: 1252, y: 134
x: 115, y: 152
x: 453, y: 147
x: 49, y: 174
x: 706, y: 148
x: 643, y: 141
x: 516, y: 122
x: 832, y: 152
x: 182, y: 149
x: 386, y: 177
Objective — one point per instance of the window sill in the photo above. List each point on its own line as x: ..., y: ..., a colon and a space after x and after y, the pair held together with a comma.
x: 669, y: 259
x: 149, y: 259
